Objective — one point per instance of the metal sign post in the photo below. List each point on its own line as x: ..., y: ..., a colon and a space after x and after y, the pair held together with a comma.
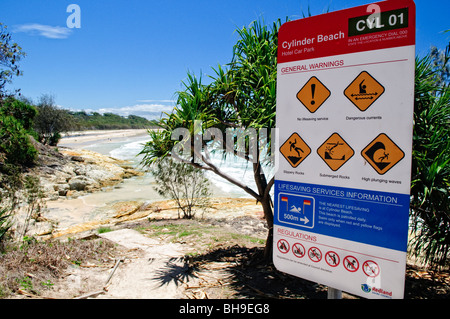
x: 334, y: 293
x: 345, y: 102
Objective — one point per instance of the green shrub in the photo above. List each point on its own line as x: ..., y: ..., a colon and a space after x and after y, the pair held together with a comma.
x: 430, y: 185
x: 183, y: 183
x: 51, y: 121
x: 20, y: 110
x: 15, y: 142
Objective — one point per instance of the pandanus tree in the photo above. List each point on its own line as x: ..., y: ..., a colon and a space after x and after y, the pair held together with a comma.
x: 234, y: 114
x: 430, y: 185
x: 241, y: 98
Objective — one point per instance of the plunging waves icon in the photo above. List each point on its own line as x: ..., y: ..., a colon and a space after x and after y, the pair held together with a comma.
x: 382, y: 154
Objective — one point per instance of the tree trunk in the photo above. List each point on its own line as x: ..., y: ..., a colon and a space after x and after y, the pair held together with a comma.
x: 263, y: 194
x: 266, y: 202
x: 268, y: 215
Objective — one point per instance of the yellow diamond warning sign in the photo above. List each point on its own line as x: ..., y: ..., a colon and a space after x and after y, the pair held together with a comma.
x: 313, y: 94
x: 335, y: 151
x: 295, y: 150
x: 382, y: 153
x: 364, y: 91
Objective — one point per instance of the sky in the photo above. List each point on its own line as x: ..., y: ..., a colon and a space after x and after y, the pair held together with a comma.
x: 131, y: 56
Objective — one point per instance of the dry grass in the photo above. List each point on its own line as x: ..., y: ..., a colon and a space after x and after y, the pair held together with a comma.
x: 222, y: 263
x: 31, y: 267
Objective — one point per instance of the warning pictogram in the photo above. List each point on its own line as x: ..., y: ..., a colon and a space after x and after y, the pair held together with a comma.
x: 351, y: 263
x: 364, y: 91
x: 371, y: 268
x: 382, y: 153
x: 332, y: 258
x: 295, y: 150
x: 298, y: 250
x: 313, y: 94
x: 335, y: 151
x: 283, y: 246
x: 315, y: 254
x: 296, y: 210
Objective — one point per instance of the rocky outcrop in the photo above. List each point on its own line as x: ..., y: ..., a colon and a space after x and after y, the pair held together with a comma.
x: 70, y: 173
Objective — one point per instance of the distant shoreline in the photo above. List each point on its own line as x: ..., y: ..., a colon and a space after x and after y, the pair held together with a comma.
x: 79, y: 139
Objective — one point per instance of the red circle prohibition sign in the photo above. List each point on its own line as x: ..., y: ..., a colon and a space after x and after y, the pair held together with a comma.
x: 332, y: 258
x: 283, y: 246
x: 298, y: 250
x: 315, y: 254
x: 371, y: 268
x: 351, y: 263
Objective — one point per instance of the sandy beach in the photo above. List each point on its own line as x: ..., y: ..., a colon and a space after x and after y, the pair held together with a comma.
x: 79, y: 139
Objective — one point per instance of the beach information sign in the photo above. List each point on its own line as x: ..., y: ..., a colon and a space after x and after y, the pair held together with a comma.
x: 345, y: 100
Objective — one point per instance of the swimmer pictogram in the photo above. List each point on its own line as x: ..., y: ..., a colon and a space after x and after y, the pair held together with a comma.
x: 364, y: 91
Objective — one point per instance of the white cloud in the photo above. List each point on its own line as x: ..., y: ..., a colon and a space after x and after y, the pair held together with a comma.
x: 44, y: 30
x: 149, y: 111
x: 160, y: 101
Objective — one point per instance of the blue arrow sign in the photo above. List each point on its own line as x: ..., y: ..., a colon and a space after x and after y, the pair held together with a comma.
x: 297, y: 210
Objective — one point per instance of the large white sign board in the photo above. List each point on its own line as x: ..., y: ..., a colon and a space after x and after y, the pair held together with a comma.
x: 345, y: 100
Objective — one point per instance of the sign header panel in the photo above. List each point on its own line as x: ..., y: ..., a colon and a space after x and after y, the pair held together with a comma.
x: 352, y: 30
x: 345, y: 96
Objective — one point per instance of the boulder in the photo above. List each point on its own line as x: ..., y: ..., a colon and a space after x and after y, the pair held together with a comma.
x: 62, y: 189
x: 80, y: 170
x: 76, y: 158
x: 81, y: 183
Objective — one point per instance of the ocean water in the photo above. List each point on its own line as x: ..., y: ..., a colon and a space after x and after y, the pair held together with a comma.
x: 99, y: 205
x: 138, y: 188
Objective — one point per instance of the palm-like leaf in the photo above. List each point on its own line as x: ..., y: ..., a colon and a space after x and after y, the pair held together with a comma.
x: 430, y: 185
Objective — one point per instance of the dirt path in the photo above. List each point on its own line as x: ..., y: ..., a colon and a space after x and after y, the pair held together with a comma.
x: 145, y: 275
x: 151, y: 263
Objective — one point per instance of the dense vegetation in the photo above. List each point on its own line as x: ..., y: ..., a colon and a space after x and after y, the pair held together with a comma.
x: 430, y: 184
x: 45, y: 122
x: 89, y: 121
x: 16, y: 124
